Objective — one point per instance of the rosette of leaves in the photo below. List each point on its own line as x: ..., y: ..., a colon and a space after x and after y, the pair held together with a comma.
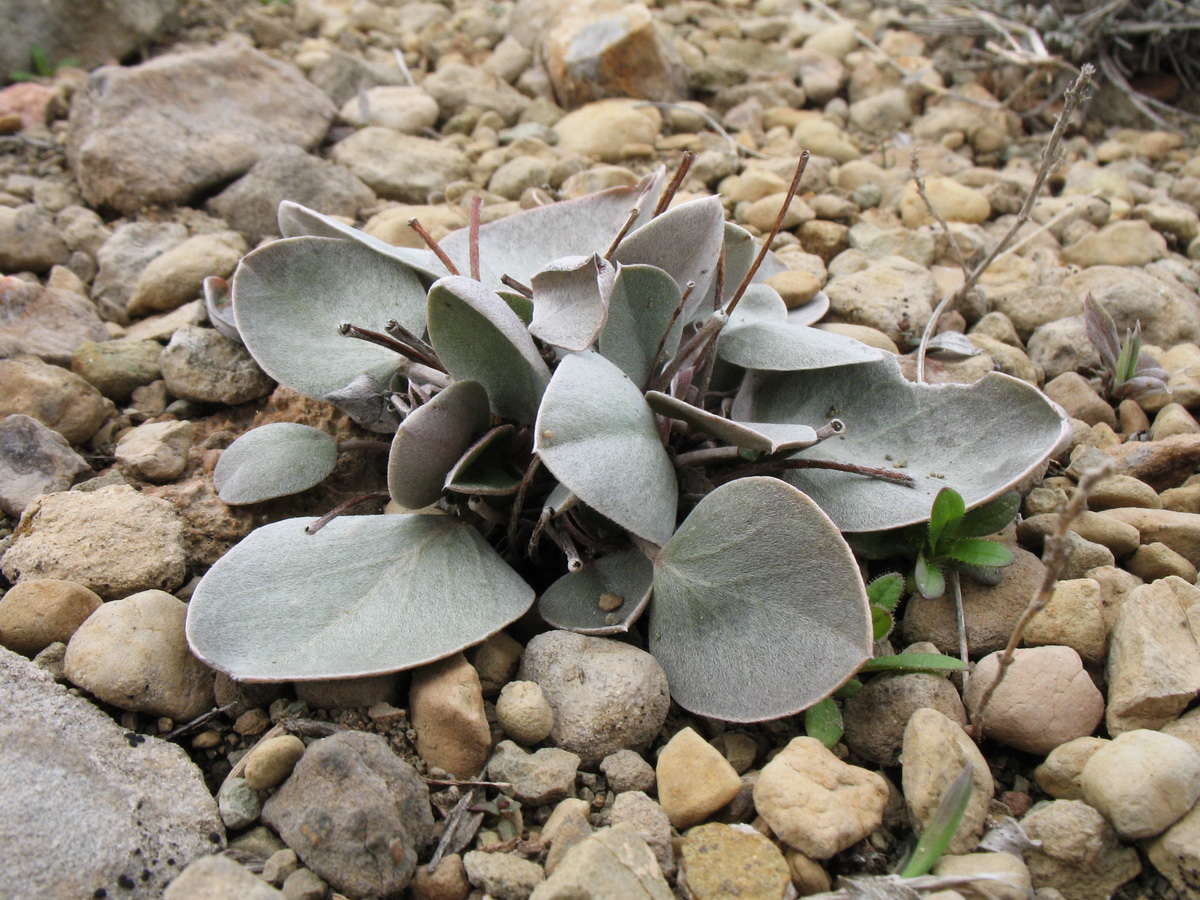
x: 1129, y: 371
x: 560, y: 389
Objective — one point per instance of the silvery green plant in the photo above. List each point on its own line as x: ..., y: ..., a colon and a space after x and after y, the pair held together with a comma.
x: 608, y: 413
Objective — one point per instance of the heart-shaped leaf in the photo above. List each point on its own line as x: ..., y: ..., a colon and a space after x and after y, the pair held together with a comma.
x: 606, y: 596
x: 431, y: 439
x: 685, y: 242
x: 759, y: 610
x: 886, y: 590
x: 980, y: 438
x: 643, y: 301
x: 570, y: 300
x: 290, y: 296
x: 598, y: 437
x: 486, y: 468
x: 273, y: 461
x: 761, y: 335
x: 363, y: 596
x: 766, y: 438
x: 300, y: 221
x: 478, y: 337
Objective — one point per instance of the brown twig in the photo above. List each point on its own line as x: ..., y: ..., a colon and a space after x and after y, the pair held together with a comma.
x: 433, y: 245
x: 1056, y: 556
x: 473, y: 235
x: 915, y: 165
x: 341, y: 508
x: 685, y: 165
x: 1049, y: 159
x: 522, y: 289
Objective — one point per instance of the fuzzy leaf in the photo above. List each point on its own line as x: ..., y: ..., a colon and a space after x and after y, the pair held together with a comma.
x: 760, y: 335
x: 977, y: 552
x: 366, y: 402
x: 886, y: 590
x: 980, y: 438
x: 576, y: 601
x: 486, y: 468
x: 931, y: 583
x: 570, y: 300
x: 759, y: 610
x: 1101, y: 331
x: 431, y: 439
x: 882, y: 622
x: 991, y: 516
x: 913, y: 662
x: 273, y: 461
x: 643, y: 300
x: 948, y: 510
x: 300, y: 221
x: 740, y: 251
x: 749, y: 435
x: 363, y: 596
x: 219, y: 308
x: 478, y: 337
x: 290, y: 296
x: 598, y: 437
x: 823, y: 721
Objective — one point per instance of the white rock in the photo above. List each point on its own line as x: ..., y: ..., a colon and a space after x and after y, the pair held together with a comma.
x: 1080, y: 854
x: 524, y: 713
x: 409, y: 110
x: 156, y: 451
x: 1142, y: 782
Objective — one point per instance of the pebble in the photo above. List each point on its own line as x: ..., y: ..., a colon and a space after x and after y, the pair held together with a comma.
x: 122, y: 258
x: 1161, y: 464
x: 694, y: 779
x: 219, y: 878
x: 1122, y: 490
x: 1153, y: 667
x: 1153, y: 561
x: 1073, y: 617
x: 133, y: 542
x: 606, y: 695
x: 524, y: 713
x: 1058, y: 775
x: 953, y: 201
x: 1105, y: 528
x: 117, y: 368
x: 1014, y: 882
x: 1045, y: 700
x: 33, y: 460
x: 503, y: 875
x: 1062, y: 346
x: 239, y: 804
x: 612, y: 864
x: 1142, y: 782
x: 635, y: 810
x: 446, y: 710
x: 400, y: 166
x: 94, y: 812
x: 816, y: 803
x: 1171, y: 420
x: 176, y: 277
x: 495, y: 661
x: 537, y: 779
x: 876, y: 716
x: 1085, y: 556
x: 44, y: 322
x: 935, y: 752
x: 1178, y: 530
x: 626, y: 771
x: 567, y: 826
x: 721, y: 861
x: 132, y: 653
x: 270, y: 762
x: 821, y: 74
x: 895, y: 296
x: 132, y: 144
x: 355, y: 813
x: 1167, y: 310
x: 447, y: 882
x: 605, y: 129
x: 1126, y: 243
x: 304, y: 884
x: 1075, y: 394
x: 407, y: 109
x: 29, y: 241
x: 1176, y: 853
x: 457, y: 88
x: 202, y: 364
x: 155, y: 451
x: 1080, y: 854
x: 36, y: 613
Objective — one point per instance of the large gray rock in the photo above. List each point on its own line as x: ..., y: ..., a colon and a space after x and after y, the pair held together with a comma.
x: 166, y: 130
x: 87, y: 32
x: 355, y: 813
x: 85, y: 808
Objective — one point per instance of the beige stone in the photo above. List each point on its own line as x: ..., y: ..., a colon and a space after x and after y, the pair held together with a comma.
x: 1142, y: 781
x: 1058, y: 775
x: 1013, y: 884
x: 271, y: 761
x: 1080, y: 854
x: 1120, y: 491
x: 694, y: 779
x: 1178, y: 530
x: 1171, y: 420
x: 446, y: 709
x: 1115, y: 585
x: 719, y: 861
x: 524, y: 713
x: 495, y: 660
x: 391, y: 224
x: 1104, y: 528
x: 176, y: 277
x: 796, y: 288
x: 156, y: 451
x: 1153, y: 561
x: 1073, y: 617
x: 36, y: 613
x: 952, y: 200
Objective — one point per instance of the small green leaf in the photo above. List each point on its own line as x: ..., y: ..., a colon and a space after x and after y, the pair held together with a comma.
x: 991, y: 517
x: 948, y: 510
x: 849, y: 690
x: 886, y: 590
x: 930, y: 581
x: 881, y: 622
x: 913, y: 662
x: 977, y: 552
x: 823, y: 721
x: 1130, y: 351
x: 273, y: 461
x: 940, y: 831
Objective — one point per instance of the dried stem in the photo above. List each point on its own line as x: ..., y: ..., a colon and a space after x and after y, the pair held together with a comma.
x: 428, y: 356
x: 1049, y: 159
x: 197, y: 722
x: 685, y: 165
x: 433, y: 245
x: 514, y: 519
x: 770, y: 468
x: 314, y: 527
x: 961, y: 620
x: 915, y: 165
x: 1057, y: 554
x: 657, y: 360
x: 364, y: 444
x: 629, y: 220
x: 473, y: 235
x: 523, y: 290
x: 414, y: 365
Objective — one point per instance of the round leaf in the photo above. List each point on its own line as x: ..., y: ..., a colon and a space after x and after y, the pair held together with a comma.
x: 363, y: 596
x: 644, y: 298
x: 759, y: 610
x: 430, y: 441
x: 979, y: 438
x: 478, y: 337
x: 598, y: 437
x: 290, y: 296
x: 570, y: 300
x: 273, y: 461
x: 487, y: 466
x: 606, y: 596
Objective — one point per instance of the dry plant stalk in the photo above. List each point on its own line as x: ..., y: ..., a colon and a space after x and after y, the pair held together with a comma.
x: 1049, y: 159
x: 1056, y: 556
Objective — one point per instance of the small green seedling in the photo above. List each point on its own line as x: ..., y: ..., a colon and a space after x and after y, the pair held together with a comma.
x: 1130, y: 372
x: 940, y: 831
x: 40, y: 65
